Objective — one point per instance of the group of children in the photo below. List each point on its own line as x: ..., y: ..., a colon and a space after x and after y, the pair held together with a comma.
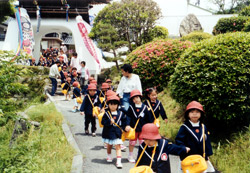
x: 141, y: 116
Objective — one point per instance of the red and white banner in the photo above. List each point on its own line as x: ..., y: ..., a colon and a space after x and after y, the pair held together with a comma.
x: 87, y: 41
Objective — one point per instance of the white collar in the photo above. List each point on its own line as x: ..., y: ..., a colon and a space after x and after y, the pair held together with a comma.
x: 114, y: 113
x: 138, y: 106
x: 195, y: 124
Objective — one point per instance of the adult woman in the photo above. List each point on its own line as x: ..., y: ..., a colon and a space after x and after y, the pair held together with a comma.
x: 128, y: 82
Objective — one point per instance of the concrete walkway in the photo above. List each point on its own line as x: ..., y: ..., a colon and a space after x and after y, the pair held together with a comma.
x: 92, y: 147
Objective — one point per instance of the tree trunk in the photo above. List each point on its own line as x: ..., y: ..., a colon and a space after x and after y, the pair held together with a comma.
x: 116, y: 61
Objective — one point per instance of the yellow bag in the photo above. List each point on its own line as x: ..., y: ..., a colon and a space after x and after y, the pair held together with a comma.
x: 156, y: 121
x: 193, y: 164
x: 79, y: 100
x: 141, y: 169
x: 100, y: 118
x: 62, y: 85
x: 130, y: 134
x: 101, y: 99
x: 96, y: 111
x: 64, y: 91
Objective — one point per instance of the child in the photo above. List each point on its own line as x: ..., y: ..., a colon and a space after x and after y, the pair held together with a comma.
x: 114, y: 121
x: 110, y: 84
x: 90, y: 100
x: 190, y: 133
x: 84, y: 74
x: 104, y: 89
x: 154, y: 105
x: 67, y: 87
x: 137, y: 112
x: 76, y: 93
x: 162, y: 147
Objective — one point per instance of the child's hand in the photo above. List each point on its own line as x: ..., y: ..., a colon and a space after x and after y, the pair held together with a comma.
x: 102, y: 110
x: 82, y: 113
x: 112, y: 121
x: 187, y: 149
x: 127, y: 128
x: 166, y: 120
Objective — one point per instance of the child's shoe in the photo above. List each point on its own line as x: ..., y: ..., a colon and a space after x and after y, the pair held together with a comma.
x: 94, y: 134
x: 109, y: 159
x: 131, y: 159
x: 123, y: 148
x: 86, y: 132
x: 119, y: 165
x: 74, y: 110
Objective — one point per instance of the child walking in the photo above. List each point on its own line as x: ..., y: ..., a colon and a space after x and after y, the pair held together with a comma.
x: 191, y: 133
x: 67, y: 87
x: 76, y: 93
x: 154, y: 105
x: 89, y: 101
x: 157, y: 149
x: 138, y: 115
x: 114, y: 122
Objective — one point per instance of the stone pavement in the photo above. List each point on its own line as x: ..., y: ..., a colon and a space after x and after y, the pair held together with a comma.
x: 92, y: 147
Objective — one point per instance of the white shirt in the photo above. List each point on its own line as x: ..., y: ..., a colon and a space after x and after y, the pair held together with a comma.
x: 126, y: 85
x: 53, y: 71
x: 65, y: 58
x: 84, y: 72
x: 75, y: 62
x: 195, y: 124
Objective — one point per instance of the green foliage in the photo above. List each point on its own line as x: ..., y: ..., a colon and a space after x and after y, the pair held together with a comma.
x: 158, y: 32
x: 130, y: 19
x: 231, y: 24
x: 37, y: 150
x: 155, y: 62
x: 196, y: 36
x: 233, y: 156
x: 6, y: 9
x: 216, y: 72
x: 245, y: 11
x: 247, y: 27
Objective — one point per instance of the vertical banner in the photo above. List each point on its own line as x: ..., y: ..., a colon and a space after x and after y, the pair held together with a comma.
x: 28, y: 37
x: 87, y: 41
x: 20, y: 44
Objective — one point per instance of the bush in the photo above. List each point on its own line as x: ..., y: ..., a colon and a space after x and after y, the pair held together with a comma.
x: 216, y: 72
x: 245, y: 11
x: 196, y: 36
x: 158, y: 32
x: 247, y: 27
x: 154, y: 62
x: 231, y: 24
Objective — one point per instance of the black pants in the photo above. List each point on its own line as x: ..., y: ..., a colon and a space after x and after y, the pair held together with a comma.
x: 90, y: 119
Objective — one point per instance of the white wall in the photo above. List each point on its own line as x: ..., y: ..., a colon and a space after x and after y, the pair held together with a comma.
x: 172, y: 23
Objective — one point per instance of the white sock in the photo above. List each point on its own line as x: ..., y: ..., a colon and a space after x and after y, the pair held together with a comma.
x: 130, y: 153
x: 119, y: 159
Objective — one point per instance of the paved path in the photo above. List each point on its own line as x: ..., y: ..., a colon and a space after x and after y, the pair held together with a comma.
x: 92, y: 148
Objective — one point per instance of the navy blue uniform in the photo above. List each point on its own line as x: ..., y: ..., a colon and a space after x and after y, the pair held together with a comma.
x: 111, y: 131
x: 76, y: 92
x: 134, y: 114
x: 87, y: 108
x: 158, y: 109
x: 63, y: 78
x: 161, y: 162
x: 67, y: 86
x: 191, y: 137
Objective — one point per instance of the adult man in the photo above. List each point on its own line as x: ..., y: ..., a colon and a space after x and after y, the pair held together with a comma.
x: 53, y: 74
x: 75, y: 62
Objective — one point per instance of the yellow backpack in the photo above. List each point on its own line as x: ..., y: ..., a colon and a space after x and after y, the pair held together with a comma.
x: 156, y: 121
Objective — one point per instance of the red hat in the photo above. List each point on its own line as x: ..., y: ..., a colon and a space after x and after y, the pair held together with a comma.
x: 110, y: 93
x: 68, y: 78
x: 93, y: 81
x: 105, y: 86
x: 108, y: 80
x: 135, y: 92
x: 92, y: 87
x: 194, y: 105
x: 65, y: 74
x: 113, y: 97
x: 33, y: 59
x: 75, y: 74
x: 150, y: 131
x: 91, y: 78
x: 75, y: 84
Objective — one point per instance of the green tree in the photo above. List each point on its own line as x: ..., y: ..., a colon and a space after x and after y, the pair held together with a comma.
x: 131, y: 19
x: 230, y: 7
x: 6, y: 9
x: 108, y: 40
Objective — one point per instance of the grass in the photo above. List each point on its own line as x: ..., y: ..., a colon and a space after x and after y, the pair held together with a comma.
x: 38, y: 150
x: 174, y: 112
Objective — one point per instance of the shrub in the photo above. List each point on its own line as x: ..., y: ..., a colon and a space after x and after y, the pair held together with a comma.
x: 245, y: 11
x: 231, y: 24
x: 158, y: 32
x: 154, y: 62
x: 196, y: 36
x: 247, y: 27
x: 216, y: 72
